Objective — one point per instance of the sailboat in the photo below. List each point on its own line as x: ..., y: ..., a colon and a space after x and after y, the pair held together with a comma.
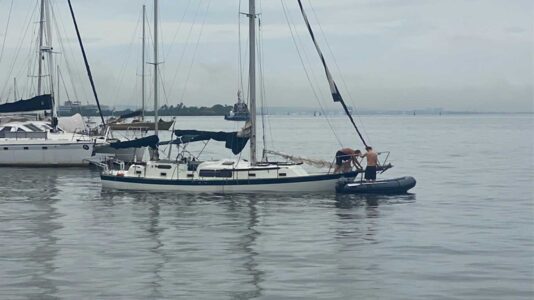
x: 187, y: 174
x: 138, y: 117
x: 42, y: 141
x: 239, y: 112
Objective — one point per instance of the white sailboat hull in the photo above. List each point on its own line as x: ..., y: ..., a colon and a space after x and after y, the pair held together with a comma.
x: 323, y: 183
x: 44, y: 154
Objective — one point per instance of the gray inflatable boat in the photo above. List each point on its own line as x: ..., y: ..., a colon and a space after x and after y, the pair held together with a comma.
x: 388, y: 186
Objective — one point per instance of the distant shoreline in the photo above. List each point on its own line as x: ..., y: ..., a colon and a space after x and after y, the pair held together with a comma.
x: 151, y: 114
x: 221, y: 110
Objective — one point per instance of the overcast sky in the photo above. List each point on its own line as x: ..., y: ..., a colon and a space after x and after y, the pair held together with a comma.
x: 385, y: 54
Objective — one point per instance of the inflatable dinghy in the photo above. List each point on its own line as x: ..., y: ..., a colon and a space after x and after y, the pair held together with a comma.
x: 389, y: 186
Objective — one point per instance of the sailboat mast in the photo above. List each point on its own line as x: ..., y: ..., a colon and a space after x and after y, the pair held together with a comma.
x: 252, y: 78
x: 48, y: 49
x: 156, y: 66
x: 41, y: 29
x: 143, y: 67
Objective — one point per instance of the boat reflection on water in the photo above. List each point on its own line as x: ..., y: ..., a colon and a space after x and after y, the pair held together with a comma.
x: 30, y: 234
x: 348, y: 201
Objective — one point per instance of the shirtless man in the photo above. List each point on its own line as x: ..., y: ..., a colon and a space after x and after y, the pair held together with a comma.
x: 372, y: 163
x: 347, y: 155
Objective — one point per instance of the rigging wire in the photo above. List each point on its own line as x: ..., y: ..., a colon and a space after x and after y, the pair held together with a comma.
x: 263, y: 95
x: 186, y: 82
x: 178, y: 67
x: 262, y: 87
x: 163, y: 87
x: 345, y: 86
x: 5, y: 32
x: 180, y: 23
x: 31, y: 58
x: 19, y: 47
x: 307, y: 73
x: 64, y: 85
x: 62, y: 46
x: 240, y: 54
x: 119, y: 86
x: 61, y: 31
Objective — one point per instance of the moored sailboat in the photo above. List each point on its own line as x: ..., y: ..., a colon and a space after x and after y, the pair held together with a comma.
x: 42, y: 141
x: 187, y: 174
x: 239, y: 111
x: 137, y: 118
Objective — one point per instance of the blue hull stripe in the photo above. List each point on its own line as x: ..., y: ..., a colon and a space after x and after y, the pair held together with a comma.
x: 199, y: 182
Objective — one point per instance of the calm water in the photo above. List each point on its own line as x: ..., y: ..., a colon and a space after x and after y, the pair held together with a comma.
x: 467, y: 232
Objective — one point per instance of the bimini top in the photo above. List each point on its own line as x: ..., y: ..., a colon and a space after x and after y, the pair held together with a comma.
x: 234, y: 141
x: 42, y: 102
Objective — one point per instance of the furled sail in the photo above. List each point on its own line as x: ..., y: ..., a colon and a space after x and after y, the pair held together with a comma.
x: 42, y: 102
x: 336, y: 95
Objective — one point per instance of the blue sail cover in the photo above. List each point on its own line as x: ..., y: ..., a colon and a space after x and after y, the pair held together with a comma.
x: 232, y: 140
x: 149, y: 141
x: 42, y: 102
x: 134, y: 114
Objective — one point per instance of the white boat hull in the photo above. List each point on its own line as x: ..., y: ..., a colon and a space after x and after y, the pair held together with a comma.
x: 33, y: 154
x: 305, y: 184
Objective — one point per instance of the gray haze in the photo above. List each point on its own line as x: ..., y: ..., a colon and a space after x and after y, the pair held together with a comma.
x: 391, y: 54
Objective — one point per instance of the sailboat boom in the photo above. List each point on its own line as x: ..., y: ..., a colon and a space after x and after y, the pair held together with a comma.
x: 336, y: 95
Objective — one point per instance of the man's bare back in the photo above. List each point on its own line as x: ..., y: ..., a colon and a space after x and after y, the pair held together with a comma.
x: 372, y: 158
x: 348, y: 151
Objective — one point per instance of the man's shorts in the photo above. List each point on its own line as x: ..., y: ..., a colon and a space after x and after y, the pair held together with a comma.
x: 341, y: 157
x: 370, y: 173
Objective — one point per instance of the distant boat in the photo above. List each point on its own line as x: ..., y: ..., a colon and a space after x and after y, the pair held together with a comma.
x: 138, y: 121
x: 44, y: 141
x: 239, y: 112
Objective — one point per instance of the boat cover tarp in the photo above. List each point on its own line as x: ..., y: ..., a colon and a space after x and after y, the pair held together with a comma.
x: 149, y: 141
x: 234, y: 141
x: 73, y: 123
x: 133, y: 114
x: 42, y: 102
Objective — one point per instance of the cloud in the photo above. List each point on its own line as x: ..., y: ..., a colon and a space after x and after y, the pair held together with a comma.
x: 391, y: 53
